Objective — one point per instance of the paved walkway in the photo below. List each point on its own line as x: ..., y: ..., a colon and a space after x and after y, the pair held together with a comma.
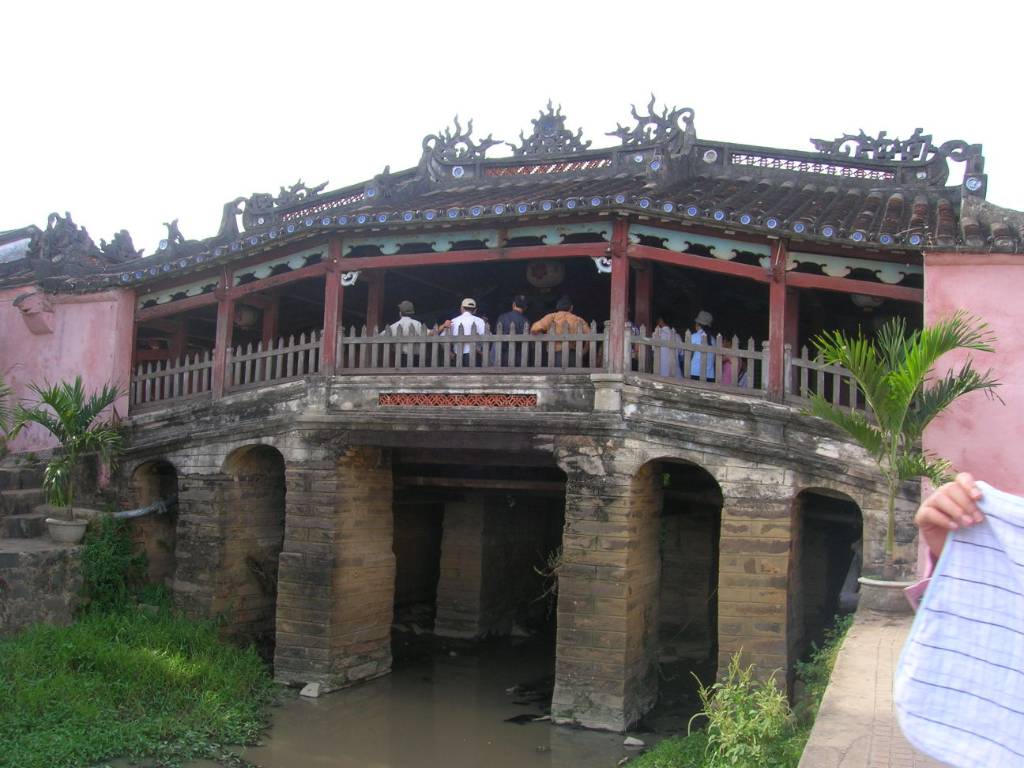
x: 856, y: 725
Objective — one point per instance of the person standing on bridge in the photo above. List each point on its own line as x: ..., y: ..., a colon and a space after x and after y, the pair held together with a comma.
x: 407, y: 325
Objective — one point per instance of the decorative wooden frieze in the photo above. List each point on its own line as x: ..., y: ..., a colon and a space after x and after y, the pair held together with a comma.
x: 692, y: 242
x: 455, y: 400
x: 290, y: 263
x: 179, y: 292
x: 841, y: 266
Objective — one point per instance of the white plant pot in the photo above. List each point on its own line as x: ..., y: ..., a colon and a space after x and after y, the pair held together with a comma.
x: 66, y: 531
x: 883, y: 595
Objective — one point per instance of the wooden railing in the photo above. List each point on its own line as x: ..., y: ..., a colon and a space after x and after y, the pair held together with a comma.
x: 667, y: 355
x: 806, y: 375
x: 282, y: 360
x: 366, y: 351
x: 184, y: 379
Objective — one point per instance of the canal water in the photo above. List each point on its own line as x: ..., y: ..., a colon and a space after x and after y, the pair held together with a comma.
x: 450, y: 705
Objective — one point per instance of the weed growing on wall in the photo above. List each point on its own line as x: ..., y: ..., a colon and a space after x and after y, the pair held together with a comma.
x: 111, y: 572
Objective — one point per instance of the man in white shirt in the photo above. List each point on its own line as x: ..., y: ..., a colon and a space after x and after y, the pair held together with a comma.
x: 699, y: 335
x: 407, y: 325
x: 467, y: 323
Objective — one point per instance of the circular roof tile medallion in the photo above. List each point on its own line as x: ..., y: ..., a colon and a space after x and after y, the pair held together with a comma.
x: 915, y: 239
x: 290, y: 228
x: 308, y: 221
x: 218, y: 251
x: 163, y: 245
x: 638, y: 158
x: 692, y: 210
x: 382, y: 218
x: 973, y: 183
x: 546, y: 205
x: 154, y: 271
x: 458, y: 171
x: 522, y: 208
x: 343, y: 220
x: 235, y: 245
x: 371, y: 192
x: 183, y: 263
x: 771, y: 222
x: 202, y: 257
x: 362, y: 218
x: 125, y: 277
x: 668, y: 207
x: 261, y: 220
x: 718, y: 215
x: 571, y: 203
x: 643, y: 202
x: 254, y: 240
x: 273, y: 234
x: 453, y: 213
x: 858, y: 236
x: 921, y: 175
x: 476, y: 210
x: 325, y: 220
x: 745, y: 219
x: 499, y: 209
x: 408, y: 216
x: 828, y: 231
x: 799, y: 227
x: 595, y: 201
x: 655, y: 164
x: 167, y: 267
x: 138, y: 275
x: 620, y: 198
x: 885, y: 240
x: 430, y: 214
x: 710, y: 155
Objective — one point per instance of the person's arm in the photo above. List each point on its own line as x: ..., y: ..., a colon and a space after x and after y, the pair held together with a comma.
x: 542, y: 325
x: 952, y: 506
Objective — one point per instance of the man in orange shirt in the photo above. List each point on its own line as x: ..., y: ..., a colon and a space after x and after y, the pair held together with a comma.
x: 562, y: 320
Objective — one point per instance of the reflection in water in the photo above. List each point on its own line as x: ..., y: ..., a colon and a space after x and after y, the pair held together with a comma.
x: 438, y: 709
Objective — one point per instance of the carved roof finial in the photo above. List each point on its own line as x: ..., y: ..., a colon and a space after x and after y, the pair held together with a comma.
x: 664, y: 128
x: 550, y: 136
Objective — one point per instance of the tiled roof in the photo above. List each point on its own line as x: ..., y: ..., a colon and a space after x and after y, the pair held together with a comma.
x: 864, y: 192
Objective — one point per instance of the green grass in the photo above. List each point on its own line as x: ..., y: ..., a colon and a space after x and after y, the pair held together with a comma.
x: 126, y: 684
x: 746, y: 713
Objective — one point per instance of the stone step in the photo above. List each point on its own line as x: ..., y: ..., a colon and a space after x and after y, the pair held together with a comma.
x: 31, y: 526
x: 20, y: 502
x: 20, y: 478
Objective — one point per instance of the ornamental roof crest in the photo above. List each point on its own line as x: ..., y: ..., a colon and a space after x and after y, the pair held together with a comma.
x: 672, y: 127
x: 550, y: 136
x: 917, y: 148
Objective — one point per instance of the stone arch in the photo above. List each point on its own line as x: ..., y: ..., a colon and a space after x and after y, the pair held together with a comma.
x: 677, y: 519
x: 156, y: 534
x: 252, y: 518
x: 826, y: 554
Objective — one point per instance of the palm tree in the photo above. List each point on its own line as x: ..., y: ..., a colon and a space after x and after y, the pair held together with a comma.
x: 5, y: 415
x: 894, y: 372
x: 66, y: 413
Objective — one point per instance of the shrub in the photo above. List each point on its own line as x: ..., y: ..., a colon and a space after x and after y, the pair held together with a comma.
x: 111, y: 572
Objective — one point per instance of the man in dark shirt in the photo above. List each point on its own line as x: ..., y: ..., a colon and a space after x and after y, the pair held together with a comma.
x: 513, y: 321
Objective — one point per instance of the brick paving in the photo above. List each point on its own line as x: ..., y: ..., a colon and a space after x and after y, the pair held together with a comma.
x: 856, y: 725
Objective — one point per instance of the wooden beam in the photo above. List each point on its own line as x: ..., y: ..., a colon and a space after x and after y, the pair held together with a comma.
x: 845, y: 285
x: 643, y: 294
x: 411, y: 260
x: 708, y: 264
x: 222, y: 339
x: 375, y: 299
x: 314, y: 270
x: 556, y: 486
x: 618, y: 298
x: 175, y: 307
x: 334, y: 298
x: 777, y: 321
x: 271, y: 311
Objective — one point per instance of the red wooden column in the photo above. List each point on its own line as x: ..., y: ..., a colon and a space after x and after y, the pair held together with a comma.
x: 643, y: 294
x: 777, y: 320
x: 222, y: 339
x: 619, y: 297
x: 270, y: 315
x: 334, y: 296
x: 375, y: 299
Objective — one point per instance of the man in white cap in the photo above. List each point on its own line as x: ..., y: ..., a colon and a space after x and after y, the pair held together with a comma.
x: 406, y: 325
x: 467, y: 323
x: 700, y: 335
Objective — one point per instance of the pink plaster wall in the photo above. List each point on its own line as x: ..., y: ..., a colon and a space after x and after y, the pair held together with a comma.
x: 91, y: 337
x: 977, y: 434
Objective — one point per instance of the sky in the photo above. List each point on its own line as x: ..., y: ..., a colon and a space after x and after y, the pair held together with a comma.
x: 128, y: 115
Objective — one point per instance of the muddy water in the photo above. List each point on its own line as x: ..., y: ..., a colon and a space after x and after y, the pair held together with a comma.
x: 444, y: 705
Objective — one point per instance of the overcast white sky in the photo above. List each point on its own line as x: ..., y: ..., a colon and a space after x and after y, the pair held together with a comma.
x: 132, y: 114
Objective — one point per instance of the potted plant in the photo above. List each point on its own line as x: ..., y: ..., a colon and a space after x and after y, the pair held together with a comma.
x: 894, y: 373
x: 74, y: 420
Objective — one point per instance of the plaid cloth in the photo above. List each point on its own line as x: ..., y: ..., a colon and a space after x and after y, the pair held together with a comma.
x: 959, y: 688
